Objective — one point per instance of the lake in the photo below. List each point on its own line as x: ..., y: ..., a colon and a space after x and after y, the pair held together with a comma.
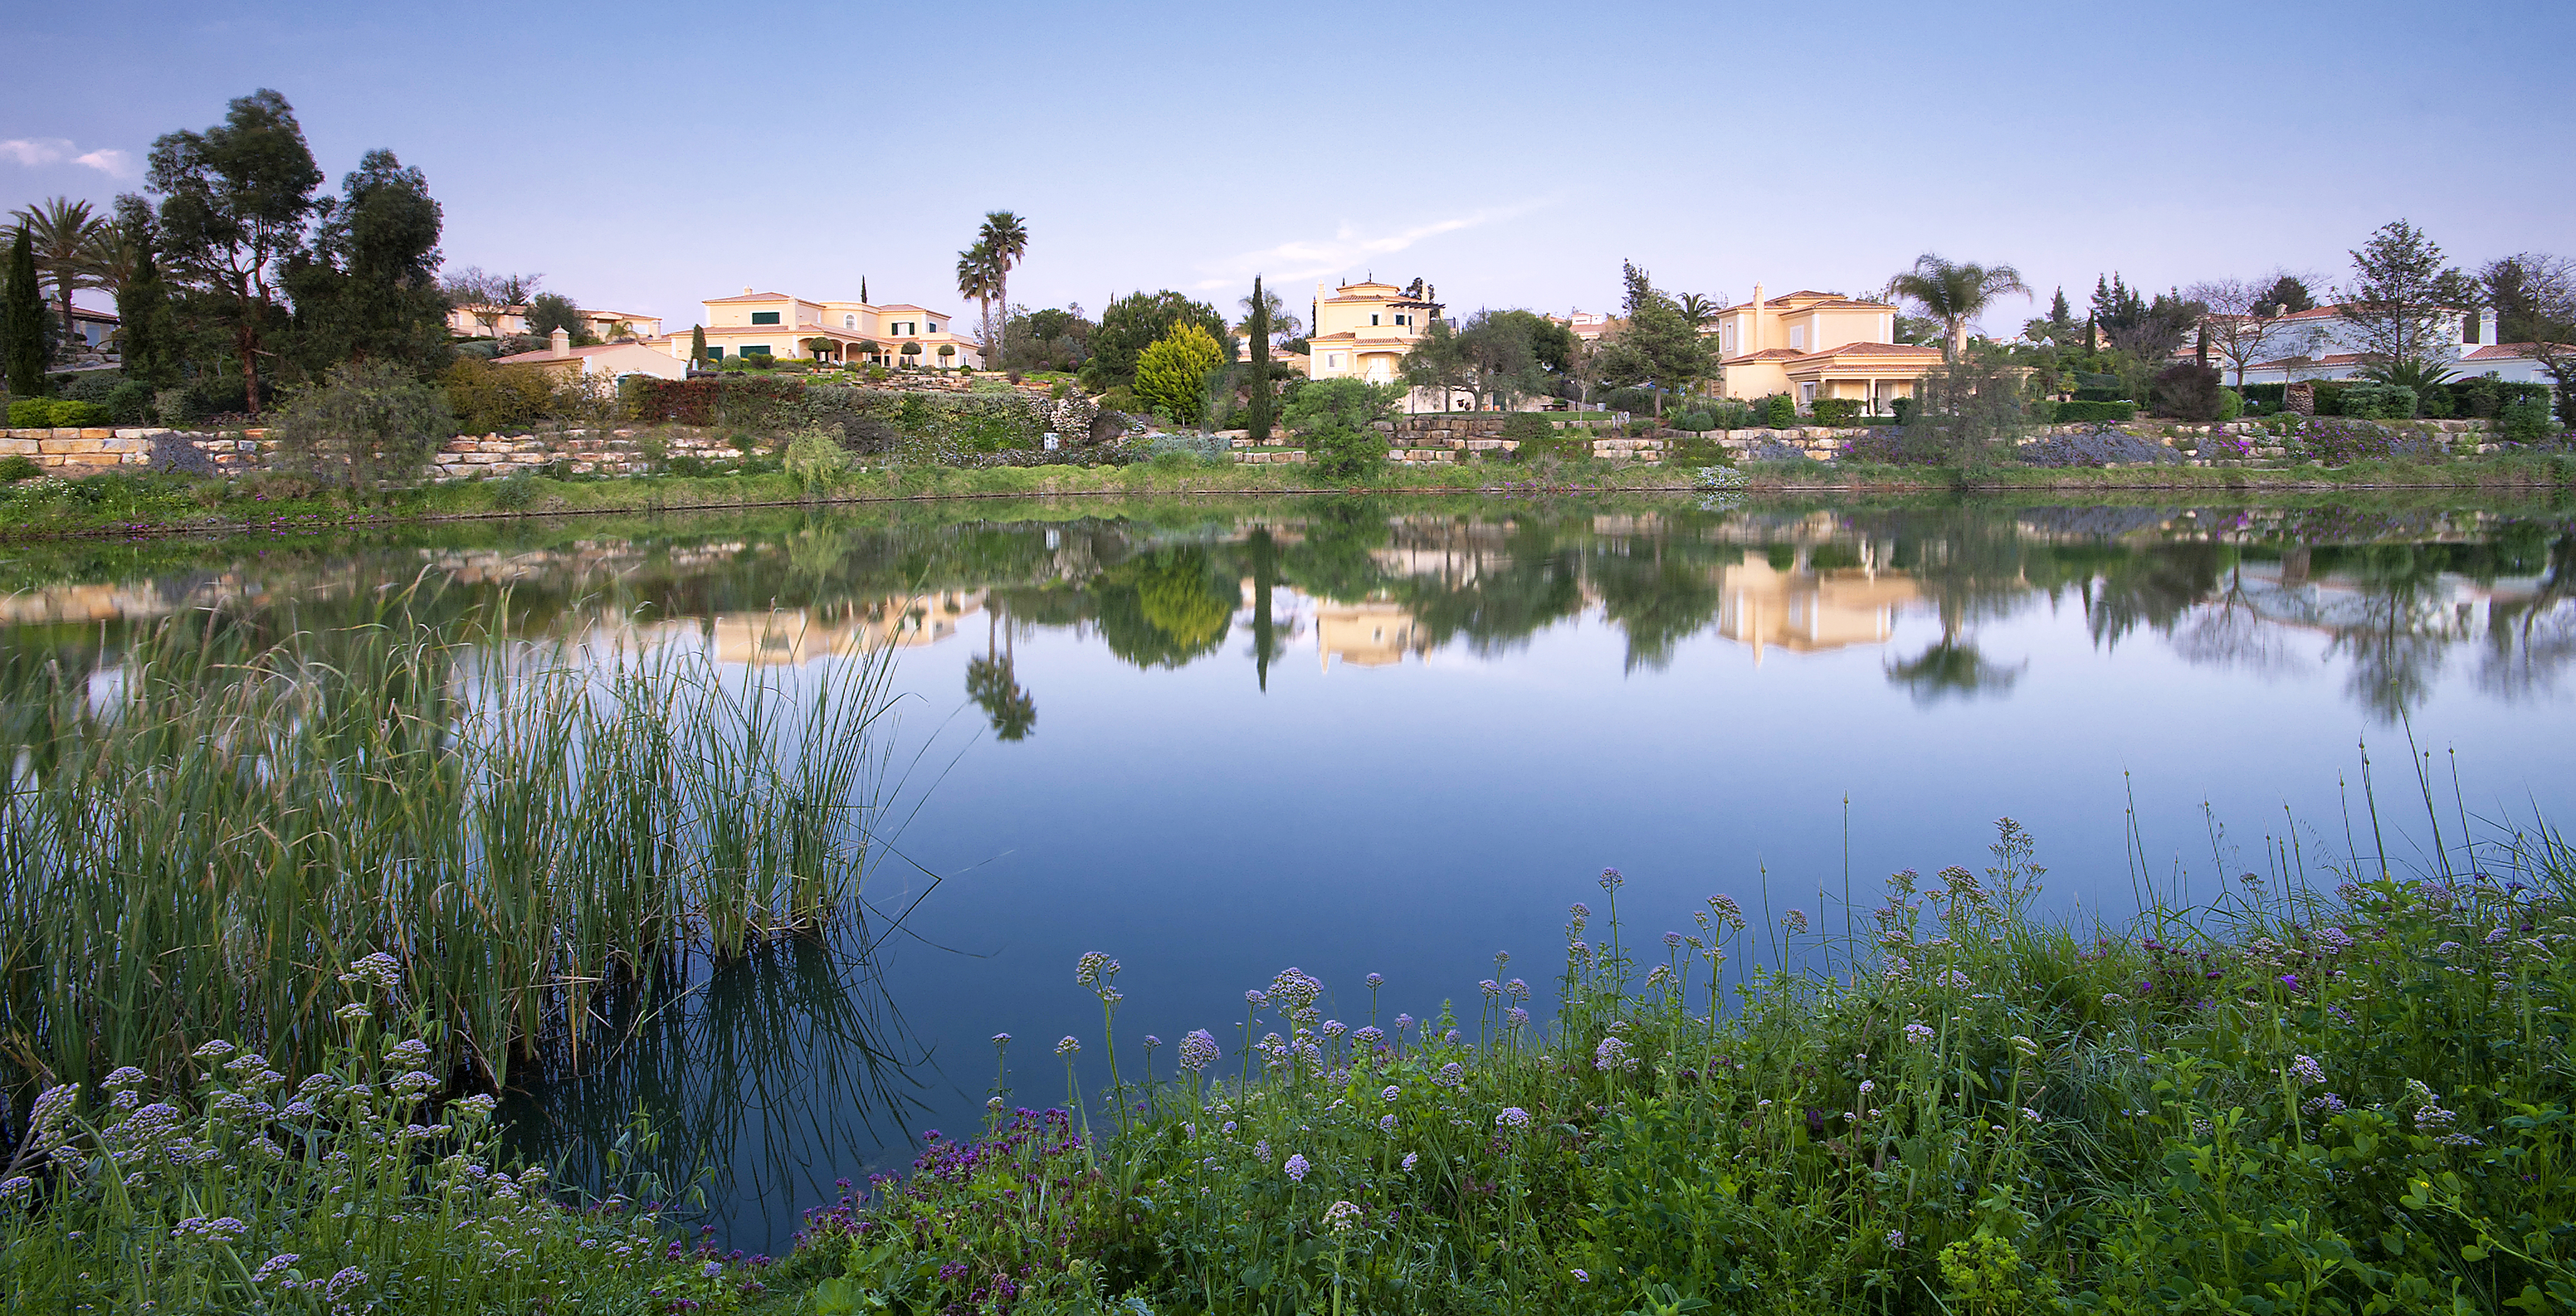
x: 1218, y: 738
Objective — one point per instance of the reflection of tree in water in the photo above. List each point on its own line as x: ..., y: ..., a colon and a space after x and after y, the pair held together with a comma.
x: 765, y: 1080
x: 1971, y: 563
x: 1533, y: 582
x: 1952, y: 670
x: 992, y: 681
x: 1659, y: 599
x: 2530, y: 641
x: 1164, y: 608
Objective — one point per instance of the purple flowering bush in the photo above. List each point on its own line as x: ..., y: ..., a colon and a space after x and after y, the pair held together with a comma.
x: 231, y: 1186
x: 2283, y: 1099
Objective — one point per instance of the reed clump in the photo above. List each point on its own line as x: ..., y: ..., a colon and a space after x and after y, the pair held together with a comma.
x: 527, y: 829
x: 2283, y: 1101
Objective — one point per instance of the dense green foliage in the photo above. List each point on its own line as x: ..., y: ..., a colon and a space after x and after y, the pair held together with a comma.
x: 1138, y: 321
x: 2282, y: 1100
x: 1172, y: 374
x: 368, y: 422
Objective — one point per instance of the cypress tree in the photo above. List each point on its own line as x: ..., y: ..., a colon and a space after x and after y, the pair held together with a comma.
x: 143, y: 315
x: 23, y: 321
x: 697, y: 344
x: 1259, y: 349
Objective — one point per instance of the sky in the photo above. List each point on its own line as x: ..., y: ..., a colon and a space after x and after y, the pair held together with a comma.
x: 644, y: 157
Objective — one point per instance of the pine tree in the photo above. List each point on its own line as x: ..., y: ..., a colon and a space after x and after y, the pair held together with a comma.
x: 23, y: 321
x: 1259, y: 350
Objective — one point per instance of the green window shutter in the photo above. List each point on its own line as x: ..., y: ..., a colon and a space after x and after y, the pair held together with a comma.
x: 764, y: 317
x: 752, y: 349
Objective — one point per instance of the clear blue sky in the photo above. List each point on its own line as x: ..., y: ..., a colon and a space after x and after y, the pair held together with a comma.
x: 645, y: 156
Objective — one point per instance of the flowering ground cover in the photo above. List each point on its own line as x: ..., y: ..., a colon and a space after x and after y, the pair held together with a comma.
x: 236, y: 1188
x: 2289, y: 1100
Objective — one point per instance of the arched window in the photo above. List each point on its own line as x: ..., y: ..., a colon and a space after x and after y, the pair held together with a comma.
x: 849, y: 321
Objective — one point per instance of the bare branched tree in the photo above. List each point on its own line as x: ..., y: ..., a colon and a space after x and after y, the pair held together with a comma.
x: 2247, y: 324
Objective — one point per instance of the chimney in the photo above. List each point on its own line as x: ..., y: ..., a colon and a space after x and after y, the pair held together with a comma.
x: 1758, y: 343
x: 559, y: 343
x: 746, y: 290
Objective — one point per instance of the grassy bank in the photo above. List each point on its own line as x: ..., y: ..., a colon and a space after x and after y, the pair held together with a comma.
x: 2284, y: 1100
x: 119, y: 504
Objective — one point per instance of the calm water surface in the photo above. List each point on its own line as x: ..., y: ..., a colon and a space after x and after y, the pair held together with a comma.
x: 1397, y: 737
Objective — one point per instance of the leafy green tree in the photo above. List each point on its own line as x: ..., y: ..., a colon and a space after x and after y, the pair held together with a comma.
x: 549, y: 311
x: 1658, y: 349
x: 1502, y: 351
x: 367, y: 289
x: 1172, y: 375
x: 367, y: 423
x: 1954, y: 292
x: 1138, y: 321
x: 1438, y: 361
x: 2400, y: 299
x: 144, y: 333
x: 697, y: 344
x: 69, y: 243
x: 2290, y: 293
x: 1337, y: 421
x: 1257, y: 345
x: 25, y: 329
x: 236, y: 198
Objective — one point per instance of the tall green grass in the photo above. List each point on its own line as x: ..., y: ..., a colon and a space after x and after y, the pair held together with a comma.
x: 193, y: 841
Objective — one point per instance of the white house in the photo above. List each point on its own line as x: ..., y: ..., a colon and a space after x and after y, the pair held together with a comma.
x: 2325, y: 343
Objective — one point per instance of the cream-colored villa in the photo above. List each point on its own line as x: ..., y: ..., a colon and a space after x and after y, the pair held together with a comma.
x: 774, y: 324
x: 1363, y: 330
x: 1814, y: 345
x: 505, y: 321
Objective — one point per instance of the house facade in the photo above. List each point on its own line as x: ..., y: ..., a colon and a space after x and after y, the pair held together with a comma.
x: 775, y: 324
x: 1814, y: 345
x: 1365, y: 330
x: 604, y: 361
x: 2325, y: 343
x: 508, y: 321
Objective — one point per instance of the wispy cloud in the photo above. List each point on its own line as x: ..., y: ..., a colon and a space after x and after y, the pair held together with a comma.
x: 1306, y: 258
x: 34, y: 152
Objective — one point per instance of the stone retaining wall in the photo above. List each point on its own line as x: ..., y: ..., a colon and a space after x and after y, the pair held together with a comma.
x: 465, y: 457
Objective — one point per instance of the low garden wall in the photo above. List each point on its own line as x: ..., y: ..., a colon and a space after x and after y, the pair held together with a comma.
x: 465, y: 457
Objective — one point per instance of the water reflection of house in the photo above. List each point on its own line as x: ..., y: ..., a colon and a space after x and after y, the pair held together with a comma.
x: 1808, y: 611
x: 1367, y: 634
x: 794, y: 636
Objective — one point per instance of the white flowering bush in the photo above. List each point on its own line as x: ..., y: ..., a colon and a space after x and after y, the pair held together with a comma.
x: 233, y: 1187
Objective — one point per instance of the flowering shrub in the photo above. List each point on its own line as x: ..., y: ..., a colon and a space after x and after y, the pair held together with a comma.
x: 2278, y: 1102
x: 2101, y: 447
x: 237, y: 1188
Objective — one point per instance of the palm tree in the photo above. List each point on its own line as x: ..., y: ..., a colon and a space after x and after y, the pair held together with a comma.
x: 1282, y: 324
x: 979, y: 278
x: 1700, y: 309
x: 1954, y: 293
x: 1008, y: 240
x: 68, y: 239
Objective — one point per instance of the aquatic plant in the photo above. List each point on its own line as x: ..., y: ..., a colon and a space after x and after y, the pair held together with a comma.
x: 526, y: 829
x: 2284, y: 1100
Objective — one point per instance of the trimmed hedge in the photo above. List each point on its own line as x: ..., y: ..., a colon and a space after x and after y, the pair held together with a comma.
x: 2089, y: 412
